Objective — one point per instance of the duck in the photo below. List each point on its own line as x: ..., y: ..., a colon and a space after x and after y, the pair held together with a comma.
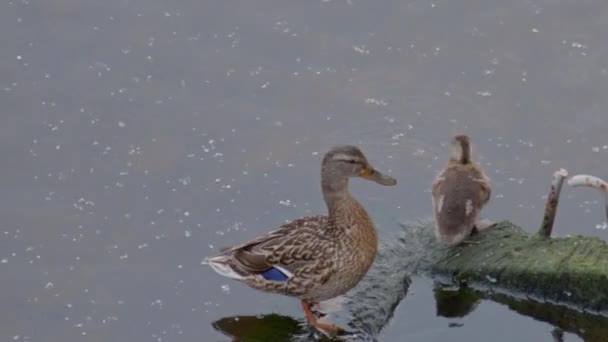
x: 459, y: 193
x: 314, y: 258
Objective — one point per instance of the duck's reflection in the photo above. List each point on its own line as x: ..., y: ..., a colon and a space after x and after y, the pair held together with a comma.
x: 276, y: 328
x: 452, y: 303
x: 260, y: 328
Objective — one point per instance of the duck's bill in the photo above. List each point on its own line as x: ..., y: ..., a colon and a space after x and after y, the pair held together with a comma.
x: 378, y: 177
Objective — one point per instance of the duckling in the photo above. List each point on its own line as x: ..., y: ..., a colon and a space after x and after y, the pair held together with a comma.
x: 460, y: 192
x: 314, y: 258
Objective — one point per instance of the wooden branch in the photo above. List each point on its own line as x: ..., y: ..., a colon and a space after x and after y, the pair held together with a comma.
x: 552, y: 200
x: 593, y: 182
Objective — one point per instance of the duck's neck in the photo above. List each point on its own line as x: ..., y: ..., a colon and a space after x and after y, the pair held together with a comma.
x: 335, y: 193
x: 341, y: 205
x: 347, y: 216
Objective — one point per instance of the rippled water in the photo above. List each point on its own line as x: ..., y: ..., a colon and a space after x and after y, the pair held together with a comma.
x: 137, y: 136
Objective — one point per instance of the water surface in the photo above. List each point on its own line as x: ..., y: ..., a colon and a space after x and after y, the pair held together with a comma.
x: 138, y: 136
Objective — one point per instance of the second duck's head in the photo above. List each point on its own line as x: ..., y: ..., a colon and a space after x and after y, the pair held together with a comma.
x: 345, y: 161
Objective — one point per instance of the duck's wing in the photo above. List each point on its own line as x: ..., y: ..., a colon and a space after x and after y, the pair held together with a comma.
x: 463, y: 185
x: 485, y: 190
x: 459, y: 194
x: 279, y: 253
x: 437, y: 191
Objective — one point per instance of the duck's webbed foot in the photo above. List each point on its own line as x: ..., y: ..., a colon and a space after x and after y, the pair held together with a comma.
x: 312, y: 320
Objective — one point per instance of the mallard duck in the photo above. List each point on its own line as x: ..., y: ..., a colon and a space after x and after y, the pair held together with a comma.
x: 314, y: 258
x: 460, y: 192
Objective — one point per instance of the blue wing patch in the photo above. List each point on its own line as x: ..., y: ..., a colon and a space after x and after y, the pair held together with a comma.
x: 274, y: 274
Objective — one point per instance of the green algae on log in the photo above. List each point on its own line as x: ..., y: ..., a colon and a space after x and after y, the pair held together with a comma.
x: 571, y: 271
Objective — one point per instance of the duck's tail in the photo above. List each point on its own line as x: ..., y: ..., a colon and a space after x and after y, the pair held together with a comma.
x: 221, y: 265
x: 225, y: 265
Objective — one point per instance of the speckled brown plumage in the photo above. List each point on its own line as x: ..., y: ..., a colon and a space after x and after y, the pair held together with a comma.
x: 324, y: 256
x: 460, y: 192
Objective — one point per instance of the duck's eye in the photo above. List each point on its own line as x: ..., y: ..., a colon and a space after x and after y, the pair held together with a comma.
x: 351, y: 161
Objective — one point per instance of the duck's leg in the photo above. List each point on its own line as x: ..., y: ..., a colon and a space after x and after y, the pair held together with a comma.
x: 474, y: 231
x: 477, y: 228
x: 310, y: 317
x: 316, y: 310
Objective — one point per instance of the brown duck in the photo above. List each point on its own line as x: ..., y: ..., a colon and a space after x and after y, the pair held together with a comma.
x: 460, y: 192
x: 318, y: 257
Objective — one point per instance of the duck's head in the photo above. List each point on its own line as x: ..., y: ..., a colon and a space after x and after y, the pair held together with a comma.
x: 345, y: 161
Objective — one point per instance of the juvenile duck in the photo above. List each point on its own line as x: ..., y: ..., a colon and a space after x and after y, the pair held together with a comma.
x: 460, y: 191
x: 314, y: 258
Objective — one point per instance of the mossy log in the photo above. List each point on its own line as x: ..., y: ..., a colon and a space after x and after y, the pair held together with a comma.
x: 570, y: 271
x: 558, y: 277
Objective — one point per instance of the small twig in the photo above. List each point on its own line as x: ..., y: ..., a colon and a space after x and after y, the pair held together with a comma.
x: 552, y: 201
x: 594, y: 182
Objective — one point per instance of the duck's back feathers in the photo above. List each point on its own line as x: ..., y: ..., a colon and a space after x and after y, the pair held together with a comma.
x: 459, y: 194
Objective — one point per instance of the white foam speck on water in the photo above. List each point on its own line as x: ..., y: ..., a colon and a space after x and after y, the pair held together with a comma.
x: 362, y: 49
x: 602, y: 226
x: 158, y: 303
x: 226, y: 289
x: 377, y: 102
x: 286, y: 203
x: 491, y: 279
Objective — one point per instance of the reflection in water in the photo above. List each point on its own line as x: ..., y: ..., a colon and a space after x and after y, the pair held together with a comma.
x: 259, y: 328
x: 461, y: 302
x: 273, y: 327
x: 450, y: 302
x: 455, y: 303
x: 558, y: 335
